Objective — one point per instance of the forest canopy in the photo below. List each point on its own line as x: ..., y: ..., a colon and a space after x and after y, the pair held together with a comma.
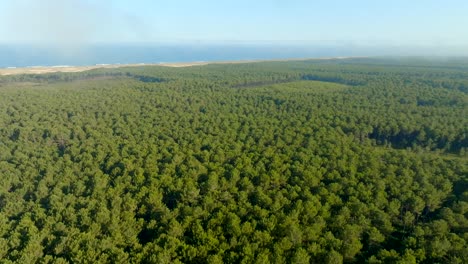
x: 316, y: 161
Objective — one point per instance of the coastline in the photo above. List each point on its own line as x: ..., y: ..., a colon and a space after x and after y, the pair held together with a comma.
x: 71, y: 69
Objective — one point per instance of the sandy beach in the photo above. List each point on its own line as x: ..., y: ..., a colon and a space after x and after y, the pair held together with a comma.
x: 65, y: 68
x: 52, y: 69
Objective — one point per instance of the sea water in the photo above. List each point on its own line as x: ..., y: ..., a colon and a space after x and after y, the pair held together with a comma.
x: 30, y: 56
x: 85, y: 55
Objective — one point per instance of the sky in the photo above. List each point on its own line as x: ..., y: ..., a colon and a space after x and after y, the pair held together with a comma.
x: 321, y: 22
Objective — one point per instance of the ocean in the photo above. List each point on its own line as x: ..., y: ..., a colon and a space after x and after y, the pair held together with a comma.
x: 30, y: 56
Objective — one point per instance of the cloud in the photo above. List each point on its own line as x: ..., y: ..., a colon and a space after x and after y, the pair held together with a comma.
x: 69, y: 22
x: 72, y: 23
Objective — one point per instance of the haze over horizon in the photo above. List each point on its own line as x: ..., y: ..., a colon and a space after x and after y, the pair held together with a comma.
x: 396, y: 28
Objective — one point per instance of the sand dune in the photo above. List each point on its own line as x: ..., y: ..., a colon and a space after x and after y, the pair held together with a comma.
x: 51, y: 69
x: 65, y: 68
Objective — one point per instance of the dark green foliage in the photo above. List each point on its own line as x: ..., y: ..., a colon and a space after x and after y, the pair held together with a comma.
x: 324, y: 161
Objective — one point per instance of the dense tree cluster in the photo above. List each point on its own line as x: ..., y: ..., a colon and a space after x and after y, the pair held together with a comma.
x: 320, y: 161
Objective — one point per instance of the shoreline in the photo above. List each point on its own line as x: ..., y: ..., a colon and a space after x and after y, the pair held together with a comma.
x: 71, y: 69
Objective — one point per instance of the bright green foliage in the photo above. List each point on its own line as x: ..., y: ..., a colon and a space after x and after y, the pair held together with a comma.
x: 328, y: 161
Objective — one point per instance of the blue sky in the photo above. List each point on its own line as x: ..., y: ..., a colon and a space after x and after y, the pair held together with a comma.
x: 358, y: 22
